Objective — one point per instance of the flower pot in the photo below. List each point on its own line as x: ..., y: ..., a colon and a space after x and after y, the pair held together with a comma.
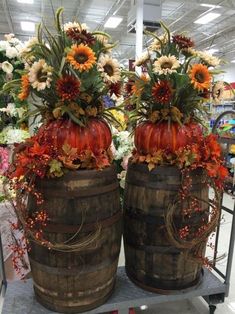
x: 83, y: 207
x: 152, y: 260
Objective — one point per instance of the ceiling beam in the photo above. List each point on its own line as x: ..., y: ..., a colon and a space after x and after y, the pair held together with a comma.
x: 8, y: 15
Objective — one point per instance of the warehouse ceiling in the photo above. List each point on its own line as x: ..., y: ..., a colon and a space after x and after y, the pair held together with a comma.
x: 218, y: 35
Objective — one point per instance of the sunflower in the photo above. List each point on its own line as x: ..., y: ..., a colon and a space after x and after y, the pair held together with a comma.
x: 208, y: 59
x: 200, y: 76
x: 142, y: 59
x: 162, y: 92
x: 109, y: 69
x: 24, y: 92
x: 166, y: 65
x: 182, y: 42
x: 40, y: 75
x: 81, y: 57
x: 218, y: 91
x: 67, y: 87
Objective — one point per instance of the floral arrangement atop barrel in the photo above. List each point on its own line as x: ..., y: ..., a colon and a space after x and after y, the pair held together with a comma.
x: 168, y: 217
x: 67, y: 191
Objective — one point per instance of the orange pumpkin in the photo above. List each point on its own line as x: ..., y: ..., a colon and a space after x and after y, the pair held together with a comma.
x: 150, y: 137
x: 95, y: 136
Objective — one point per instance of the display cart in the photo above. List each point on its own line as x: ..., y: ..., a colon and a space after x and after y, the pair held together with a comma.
x: 213, y: 286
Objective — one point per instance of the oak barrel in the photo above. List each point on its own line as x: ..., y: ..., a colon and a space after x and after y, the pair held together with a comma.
x: 152, y: 262
x: 85, y: 200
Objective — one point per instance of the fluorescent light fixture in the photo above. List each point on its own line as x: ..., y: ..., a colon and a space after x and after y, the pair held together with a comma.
x: 113, y: 22
x: 25, y: 1
x: 212, y: 50
x: 27, y: 26
x: 233, y: 61
x: 207, y: 5
x: 143, y: 307
x: 207, y: 18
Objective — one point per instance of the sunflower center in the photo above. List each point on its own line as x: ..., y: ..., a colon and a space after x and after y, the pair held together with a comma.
x: 41, y: 76
x: 166, y: 65
x: 200, y: 77
x: 108, y: 69
x: 81, y: 58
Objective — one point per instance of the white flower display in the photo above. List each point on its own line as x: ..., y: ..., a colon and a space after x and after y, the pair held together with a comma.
x: 11, y: 135
x: 142, y: 59
x: 3, y: 45
x: 124, y: 144
x: 7, y: 67
x: 11, y: 52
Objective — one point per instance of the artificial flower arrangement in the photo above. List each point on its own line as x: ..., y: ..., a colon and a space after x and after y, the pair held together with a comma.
x: 13, y: 121
x: 167, y: 106
x: 169, y: 103
x: 68, y: 76
x: 71, y: 74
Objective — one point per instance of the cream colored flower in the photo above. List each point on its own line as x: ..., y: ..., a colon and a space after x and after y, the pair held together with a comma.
x: 40, y: 75
x: 8, y: 37
x: 102, y: 38
x: 218, y: 91
x: 109, y: 69
x: 11, y: 52
x: 69, y: 25
x: 208, y: 58
x: 156, y: 45
x: 191, y: 51
x: 7, y: 67
x: 166, y: 65
x: 142, y: 59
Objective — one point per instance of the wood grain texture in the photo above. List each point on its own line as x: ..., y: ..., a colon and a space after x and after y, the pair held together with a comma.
x: 151, y: 260
x: 74, y: 282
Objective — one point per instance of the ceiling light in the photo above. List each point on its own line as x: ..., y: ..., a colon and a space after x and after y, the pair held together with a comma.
x: 25, y: 1
x: 143, y: 307
x: 214, y: 6
x: 207, y: 18
x: 233, y: 61
x: 113, y: 22
x: 212, y: 50
x: 27, y: 26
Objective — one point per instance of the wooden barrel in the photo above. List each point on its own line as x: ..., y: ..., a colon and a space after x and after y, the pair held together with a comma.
x: 73, y: 282
x: 152, y: 262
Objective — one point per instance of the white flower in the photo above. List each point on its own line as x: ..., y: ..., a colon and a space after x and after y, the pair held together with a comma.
x: 7, y: 67
x: 11, y: 109
x: 142, y: 59
x: 208, y: 58
x: 156, y: 44
x: 4, y: 45
x: 109, y: 69
x: 11, y: 52
x: 102, y: 39
x: 166, y: 65
x: 70, y: 25
x: 27, y: 47
x: 10, y: 135
x: 40, y: 75
x: 8, y: 37
x: 122, y: 178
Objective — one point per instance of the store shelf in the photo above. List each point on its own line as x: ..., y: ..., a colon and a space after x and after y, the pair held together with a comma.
x: 20, y: 296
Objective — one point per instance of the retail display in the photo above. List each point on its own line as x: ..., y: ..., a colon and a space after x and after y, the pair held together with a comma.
x: 72, y: 217
x: 167, y: 220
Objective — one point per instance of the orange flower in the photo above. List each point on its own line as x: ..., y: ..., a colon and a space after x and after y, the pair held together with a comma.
x: 223, y: 172
x: 200, y: 76
x: 24, y: 93
x: 81, y: 57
